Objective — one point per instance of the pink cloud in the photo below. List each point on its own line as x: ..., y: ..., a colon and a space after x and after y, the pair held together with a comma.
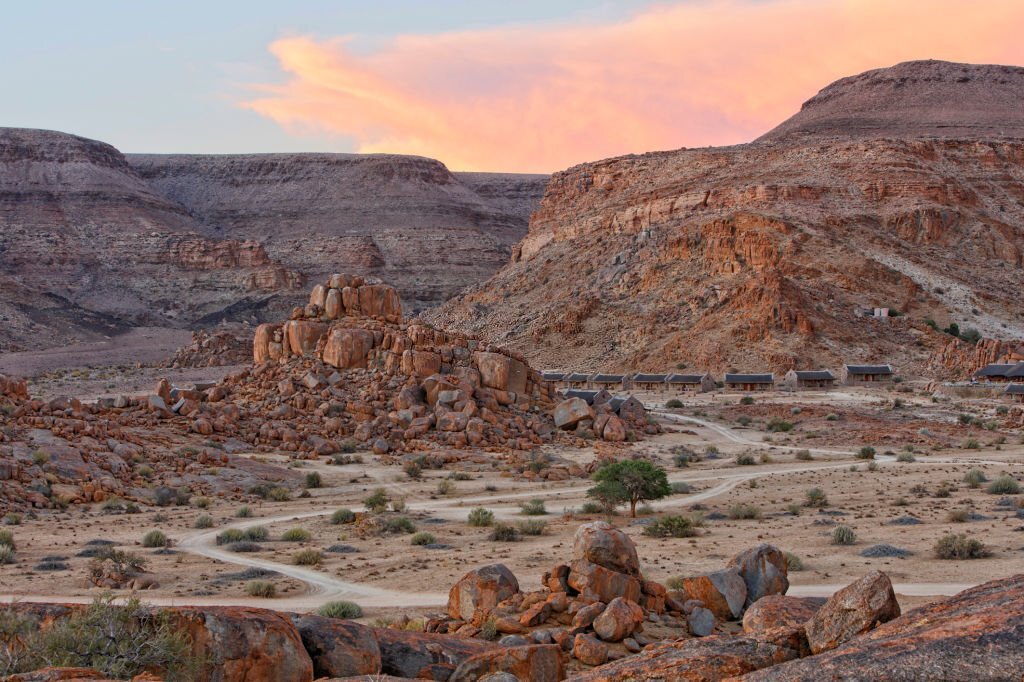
x: 542, y: 98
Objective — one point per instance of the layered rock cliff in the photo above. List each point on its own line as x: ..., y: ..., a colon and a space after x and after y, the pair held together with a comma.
x: 406, y: 219
x: 764, y: 256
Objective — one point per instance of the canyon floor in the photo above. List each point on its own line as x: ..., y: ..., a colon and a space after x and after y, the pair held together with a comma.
x: 889, y: 500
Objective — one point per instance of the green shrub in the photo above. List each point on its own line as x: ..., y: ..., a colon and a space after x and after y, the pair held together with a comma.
x: 314, y: 480
x: 776, y: 425
x: 261, y: 588
x: 400, y: 524
x: 413, y: 470
x: 378, y: 500
x: 971, y: 444
x: 793, y: 562
x: 342, y: 515
x: 480, y: 517
x: 7, y: 538
x: 423, y: 538
x: 815, y: 497
x: 959, y: 546
x: 256, y: 534
x: 591, y: 507
x: 866, y: 452
x: 534, y: 507
x: 12, y: 519
x: 445, y: 487
x: 681, y: 488
x: 745, y: 460
x: 843, y: 535
x: 958, y: 515
x: 502, y: 532
x: 202, y: 502
x: 340, y: 609
x: 307, y: 557
x: 295, y: 535
x: 203, y: 521
x: 906, y: 457
x: 747, y: 400
x: 489, y: 630
x: 672, y: 527
x: 804, y: 455
x: 974, y: 478
x: 244, y: 512
x: 278, y: 494
x: 675, y: 582
x: 154, y: 538
x: 744, y: 511
x: 674, y: 404
x: 7, y: 554
x: 532, y: 527
x: 230, y: 535
x: 832, y: 417
x: 1004, y: 485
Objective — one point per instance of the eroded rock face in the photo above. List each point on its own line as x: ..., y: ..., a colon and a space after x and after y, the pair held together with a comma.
x: 776, y: 611
x: 723, y: 592
x: 763, y: 569
x: 853, y: 610
x: 338, y: 648
x: 481, y: 588
x: 536, y: 663
x: 570, y: 412
x: 603, y: 544
x: 424, y: 656
x: 975, y: 635
x: 618, y: 620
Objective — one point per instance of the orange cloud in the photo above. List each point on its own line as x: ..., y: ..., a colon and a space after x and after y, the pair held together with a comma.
x: 541, y: 98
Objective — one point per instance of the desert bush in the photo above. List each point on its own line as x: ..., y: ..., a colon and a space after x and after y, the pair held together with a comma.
x: 245, y: 547
x: 230, y: 535
x: 747, y: 400
x: 445, y: 487
x: 400, y: 524
x: 378, y: 500
x: 12, y: 519
x: 202, y: 502
x: 256, y: 534
x: 261, y: 588
x: 155, y: 538
x: 307, y: 557
x: 278, y: 494
x: 866, y: 452
x: 682, y: 456
x: 958, y: 515
x: 340, y: 609
x: 804, y: 455
x: 413, y: 470
x: 243, y: 512
x: 674, y: 404
x: 480, y: 517
x: 832, y: 417
x: 815, y: 497
x: 843, y: 535
x: 532, y: 527
x: 776, y: 425
x: 971, y: 444
x: 674, y: 582
x: 793, y: 509
x: 671, y: 527
x: 398, y: 506
x: 591, y: 507
x: 534, y: 507
x: 744, y: 511
x: 743, y: 420
x: 681, y: 488
x: 745, y: 460
x: 1004, y: 485
x: 314, y: 480
x: 906, y: 457
x: 203, y: 521
x: 489, y: 629
x: 872, y: 466
x: 502, y: 532
x: 959, y: 546
x: 342, y: 515
x: 7, y: 554
x: 295, y: 535
x: 422, y: 538
x: 7, y: 538
x: 793, y: 562
x: 974, y: 478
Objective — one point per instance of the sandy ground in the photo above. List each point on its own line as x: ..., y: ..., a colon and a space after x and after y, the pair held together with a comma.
x: 387, y: 574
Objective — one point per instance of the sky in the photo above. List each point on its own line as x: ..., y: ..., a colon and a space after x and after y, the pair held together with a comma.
x: 528, y: 86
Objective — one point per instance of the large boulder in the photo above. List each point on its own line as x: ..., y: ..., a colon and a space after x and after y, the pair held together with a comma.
x: 501, y: 372
x: 853, y: 610
x: 764, y: 570
x: 481, y: 588
x: 426, y: 656
x: 589, y: 650
x: 723, y: 592
x: 603, y: 544
x: 533, y: 663
x: 239, y: 644
x: 706, y: 659
x: 618, y: 620
x: 599, y: 584
x: 380, y: 300
x: 975, y: 635
x: 570, y: 412
x: 338, y: 648
x: 780, y: 611
x: 303, y: 335
x: 348, y: 348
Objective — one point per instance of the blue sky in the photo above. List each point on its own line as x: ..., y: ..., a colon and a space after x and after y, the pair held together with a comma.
x: 161, y: 76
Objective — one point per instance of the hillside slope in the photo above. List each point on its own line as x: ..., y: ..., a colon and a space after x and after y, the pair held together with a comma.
x: 763, y: 255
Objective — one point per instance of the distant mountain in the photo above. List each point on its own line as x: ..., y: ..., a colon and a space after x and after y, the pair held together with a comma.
x: 900, y: 188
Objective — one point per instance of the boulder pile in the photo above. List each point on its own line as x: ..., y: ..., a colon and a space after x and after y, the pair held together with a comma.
x: 215, y: 349
x: 605, y: 417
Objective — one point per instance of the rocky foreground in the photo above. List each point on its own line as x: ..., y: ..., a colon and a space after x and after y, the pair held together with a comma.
x: 597, y: 619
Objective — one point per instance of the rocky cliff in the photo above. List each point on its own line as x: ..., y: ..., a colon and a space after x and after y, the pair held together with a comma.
x: 764, y: 256
x: 406, y: 219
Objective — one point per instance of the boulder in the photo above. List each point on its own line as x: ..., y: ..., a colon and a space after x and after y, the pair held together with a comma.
x: 614, y: 430
x: 975, y: 635
x: 777, y: 611
x: 706, y: 659
x: 603, y: 544
x: 701, y: 622
x: 240, y: 644
x: 333, y: 306
x: 303, y: 336
x: 853, y: 610
x: 380, y: 300
x: 422, y: 655
x: 348, y: 348
x: 618, y: 620
x: 599, y: 584
x: 764, y: 570
x: 533, y: 663
x: 723, y: 592
x: 570, y: 412
x: 338, y: 648
x: 585, y: 617
x: 481, y: 588
x: 589, y: 650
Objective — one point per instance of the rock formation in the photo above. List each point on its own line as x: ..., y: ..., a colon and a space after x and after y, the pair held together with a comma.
x: 960, y: 360
x: 766, y: 255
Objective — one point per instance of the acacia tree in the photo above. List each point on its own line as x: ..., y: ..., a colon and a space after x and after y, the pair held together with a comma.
x: 631, y: 481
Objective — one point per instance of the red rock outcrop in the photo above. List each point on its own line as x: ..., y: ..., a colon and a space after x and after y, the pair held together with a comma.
x: 762, y: 256
x: 959, y: 360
